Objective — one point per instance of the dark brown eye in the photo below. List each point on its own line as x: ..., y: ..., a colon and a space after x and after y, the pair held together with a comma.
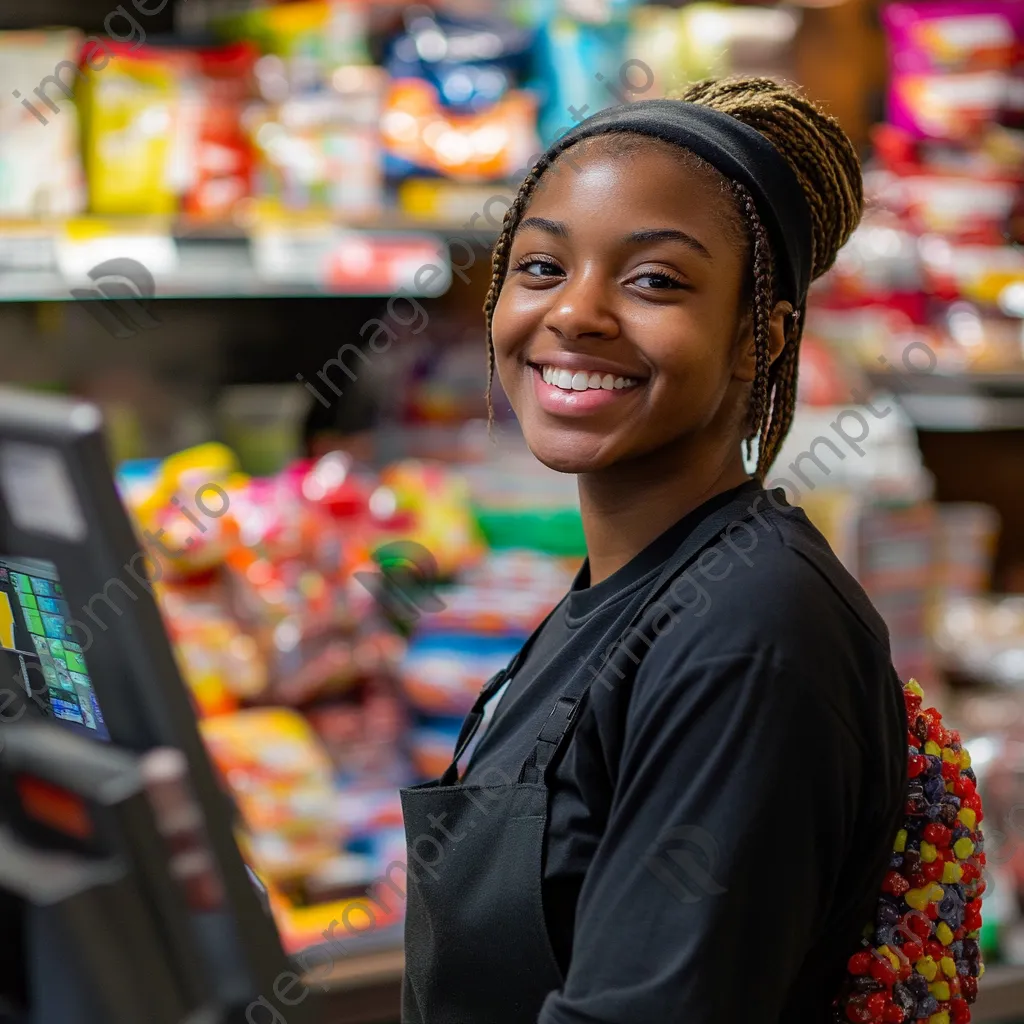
x: 533, y: 267
x: 657, y: 282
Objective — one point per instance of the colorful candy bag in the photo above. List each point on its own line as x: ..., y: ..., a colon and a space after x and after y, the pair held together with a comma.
x: 952, y: 64
x: 921, y: 960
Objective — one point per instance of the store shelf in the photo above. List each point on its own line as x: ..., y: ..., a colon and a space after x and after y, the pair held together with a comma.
x: 961, y: 402
x: 364, y: 989
x: 301, y: 257
x: 367, y: 990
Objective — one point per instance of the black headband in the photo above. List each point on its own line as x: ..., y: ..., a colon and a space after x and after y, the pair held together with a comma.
x: 742, y: 154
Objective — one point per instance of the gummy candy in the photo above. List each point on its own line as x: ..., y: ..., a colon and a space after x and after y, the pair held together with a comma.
x: 920, y: 958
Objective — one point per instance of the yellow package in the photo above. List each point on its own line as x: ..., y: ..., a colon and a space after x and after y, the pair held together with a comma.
x: 129, y: 115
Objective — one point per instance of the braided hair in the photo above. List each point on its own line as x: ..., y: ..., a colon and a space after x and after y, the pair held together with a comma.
x: 828, y: 170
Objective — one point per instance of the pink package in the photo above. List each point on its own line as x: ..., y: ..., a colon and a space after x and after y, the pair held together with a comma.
x: 953, y: 35
x: 954, y: 65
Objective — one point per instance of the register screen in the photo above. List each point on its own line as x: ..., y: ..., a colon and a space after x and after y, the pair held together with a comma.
x: 37, y: 649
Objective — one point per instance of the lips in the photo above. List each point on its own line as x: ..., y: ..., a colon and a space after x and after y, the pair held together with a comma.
x: 585, y: 394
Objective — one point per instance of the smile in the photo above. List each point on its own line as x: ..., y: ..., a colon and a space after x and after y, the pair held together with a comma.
x: 580, y: 380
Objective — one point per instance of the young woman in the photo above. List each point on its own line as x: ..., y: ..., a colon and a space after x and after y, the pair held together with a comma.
x: 685, y: 803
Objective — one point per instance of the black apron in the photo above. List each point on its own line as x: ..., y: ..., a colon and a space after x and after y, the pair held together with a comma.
x: 476, y: 942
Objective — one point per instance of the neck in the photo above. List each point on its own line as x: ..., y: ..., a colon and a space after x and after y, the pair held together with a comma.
x: 627, y: 506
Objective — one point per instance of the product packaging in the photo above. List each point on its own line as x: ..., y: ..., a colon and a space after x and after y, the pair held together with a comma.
x: 40, y: 168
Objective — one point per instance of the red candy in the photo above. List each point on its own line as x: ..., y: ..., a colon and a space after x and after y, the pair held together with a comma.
x: 895, y: 884
x: 876, y: 1003
x: 933, y: 871
x: 963, y: 786
x: 860, y: 962
x: 916, y: 764
x: 881, y: 970
x: 892, y: 1014
x: 913, y: 951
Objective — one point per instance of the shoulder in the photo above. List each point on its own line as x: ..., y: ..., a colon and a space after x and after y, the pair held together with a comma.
x: 765, y: 613
x: 770, y: 578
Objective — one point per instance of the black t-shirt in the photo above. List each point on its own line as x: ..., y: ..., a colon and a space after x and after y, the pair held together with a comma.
x: 722, y: 819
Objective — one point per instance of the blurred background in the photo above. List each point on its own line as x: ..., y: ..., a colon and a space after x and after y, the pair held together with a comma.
x: 257, y: 234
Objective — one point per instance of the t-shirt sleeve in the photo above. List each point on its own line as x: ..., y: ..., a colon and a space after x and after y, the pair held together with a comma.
x: 737, y: 775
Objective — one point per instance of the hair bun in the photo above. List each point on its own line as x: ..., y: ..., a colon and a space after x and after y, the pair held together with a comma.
x: 813, y: 143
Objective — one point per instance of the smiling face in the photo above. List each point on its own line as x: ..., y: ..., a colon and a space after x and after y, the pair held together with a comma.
x: 621, y: 330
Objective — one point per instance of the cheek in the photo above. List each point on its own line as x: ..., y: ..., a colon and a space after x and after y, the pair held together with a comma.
x: 504, y: 325
x: 687, y: 344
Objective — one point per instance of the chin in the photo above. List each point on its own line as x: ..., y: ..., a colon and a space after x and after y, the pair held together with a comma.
x: 565, y: 453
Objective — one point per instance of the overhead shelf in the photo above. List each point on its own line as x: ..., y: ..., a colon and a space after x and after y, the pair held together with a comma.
x: 112, y: 259
x: 959, y: 402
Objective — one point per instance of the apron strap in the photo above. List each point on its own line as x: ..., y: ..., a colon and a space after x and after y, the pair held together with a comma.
x: 476, y: 715
x: 559, y: 725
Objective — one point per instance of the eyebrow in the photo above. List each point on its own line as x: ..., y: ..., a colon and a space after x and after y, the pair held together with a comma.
x: 552, y: 227
x: 670, y: 235
x: 646, y: 235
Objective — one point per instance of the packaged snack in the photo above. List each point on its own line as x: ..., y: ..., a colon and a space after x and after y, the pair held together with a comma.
x: 421, y: 135
x: 470, y: 64
x: 220, y: 153
x: 40, y: 168
x: 953, y: 65
x: 952, y: 35
x: 280, y: 777
x: 131, y: 118
x: 442, y: 674
x: 322, y: 150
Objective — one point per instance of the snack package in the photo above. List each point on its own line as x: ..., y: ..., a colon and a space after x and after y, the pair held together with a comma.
x: 471, y: 64
x: 131, y: 118
x: 323, y: 150
x: 40, y: 168
x: 219, y: 151
x: 952, y: 35
x: 953, y: 65
x: 281, y: 779
x: 443, y: 674
x: 420, y: 135
x: 186, y: 520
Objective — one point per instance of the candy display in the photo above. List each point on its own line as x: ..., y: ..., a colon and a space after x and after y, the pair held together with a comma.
x: 921, y: 959
x: 953, y: 65
x: 927, y: 283
x: 481, y: 621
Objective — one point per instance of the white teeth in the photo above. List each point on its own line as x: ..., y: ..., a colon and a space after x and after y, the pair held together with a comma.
x: 581, y: 380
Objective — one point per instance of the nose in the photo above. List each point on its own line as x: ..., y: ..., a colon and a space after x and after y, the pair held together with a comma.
x: 582, y: 308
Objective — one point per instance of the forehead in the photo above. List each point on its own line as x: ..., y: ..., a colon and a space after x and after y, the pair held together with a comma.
x: 612, y: 180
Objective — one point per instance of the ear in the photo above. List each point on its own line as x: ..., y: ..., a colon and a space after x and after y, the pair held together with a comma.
x: 746, y: 368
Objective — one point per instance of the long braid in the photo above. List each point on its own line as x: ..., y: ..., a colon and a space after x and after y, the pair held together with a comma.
x: 499, y: 267
x: 762, y: 303
x: 828, y: 170
x: 826, y: 165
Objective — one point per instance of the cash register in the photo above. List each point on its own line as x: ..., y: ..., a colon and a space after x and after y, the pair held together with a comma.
x: 124, y: 898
